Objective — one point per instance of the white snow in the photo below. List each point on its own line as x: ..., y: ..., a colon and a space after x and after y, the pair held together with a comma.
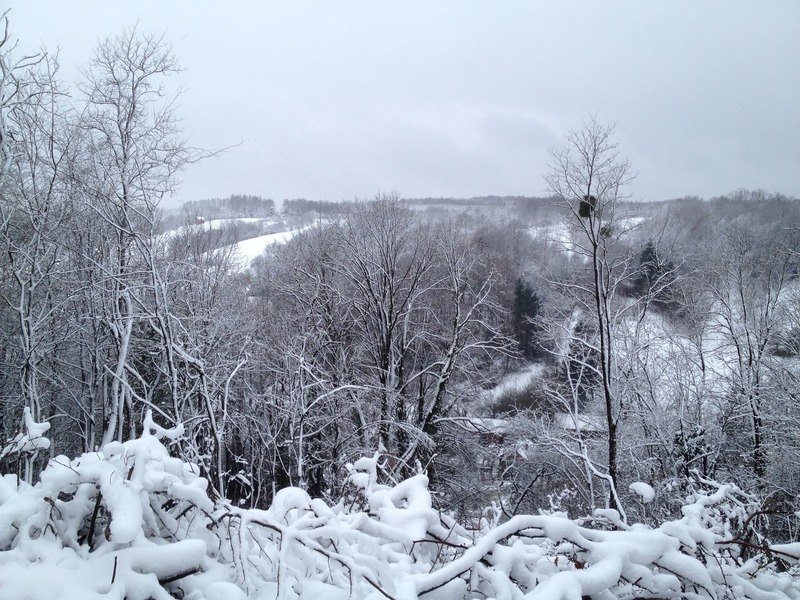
x: 580, y: 422
x: 517, y: 382
x: 255, y: 247
x: 249, y: 249
x: 217, y: 224
x: 645, y: 492
x: 559, y: 235
x: 31, y: 439
x: 158, y: 535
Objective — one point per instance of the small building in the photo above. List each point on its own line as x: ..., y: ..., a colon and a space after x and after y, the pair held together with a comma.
x: 590, y: 425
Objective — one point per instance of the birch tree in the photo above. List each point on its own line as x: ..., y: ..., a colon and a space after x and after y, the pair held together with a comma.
x: 134, y: 151
x: 33, y: 213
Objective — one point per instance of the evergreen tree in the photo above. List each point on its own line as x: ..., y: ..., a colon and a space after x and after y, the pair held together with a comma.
x: 524, y: 310
x: 654, y: 276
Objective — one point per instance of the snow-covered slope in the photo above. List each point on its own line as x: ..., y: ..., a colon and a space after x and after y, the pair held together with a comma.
x: 248, y: 249
x: 255, y: 247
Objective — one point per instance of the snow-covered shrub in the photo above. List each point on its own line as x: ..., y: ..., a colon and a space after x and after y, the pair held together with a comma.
x: 132, y: 522
x: 122, y: 523
x: 24, y: 448
x: 375, y: 541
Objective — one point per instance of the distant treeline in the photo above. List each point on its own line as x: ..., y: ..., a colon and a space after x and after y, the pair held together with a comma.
x: 319, y: 208
x: 232, y: 207
x: 479, y: 201
x: 237, y: 205
x: 541, y: 210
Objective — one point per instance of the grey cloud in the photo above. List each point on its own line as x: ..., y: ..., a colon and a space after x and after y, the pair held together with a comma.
x: 336, y: 100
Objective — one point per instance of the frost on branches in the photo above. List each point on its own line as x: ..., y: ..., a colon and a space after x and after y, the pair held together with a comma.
x: 26, y: 445
x: 132, y: 522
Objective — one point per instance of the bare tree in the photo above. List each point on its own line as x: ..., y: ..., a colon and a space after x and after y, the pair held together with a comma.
x: 752, y: 277
x: 33, y: 212
x: 14, y: 90
x: 379, y: 320
x: 202, y: 320
x: 589, y: 178
x: 33, y: 148
x: 134, y: 151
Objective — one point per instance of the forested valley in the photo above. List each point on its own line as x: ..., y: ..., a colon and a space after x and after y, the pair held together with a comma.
x: 573, y: 395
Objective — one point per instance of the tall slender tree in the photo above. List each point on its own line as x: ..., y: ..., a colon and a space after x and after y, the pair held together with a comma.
x: 134, y: 151
x: 589, y: 179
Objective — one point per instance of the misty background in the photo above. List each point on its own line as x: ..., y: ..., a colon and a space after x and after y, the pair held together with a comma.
x: 460, y: 99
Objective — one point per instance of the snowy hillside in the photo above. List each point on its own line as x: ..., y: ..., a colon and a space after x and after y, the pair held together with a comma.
x: 250, y: 246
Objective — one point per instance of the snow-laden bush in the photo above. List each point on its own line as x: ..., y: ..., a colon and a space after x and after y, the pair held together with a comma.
x: 133, y: 522
x: 121, y: 523
x: 24, y: 448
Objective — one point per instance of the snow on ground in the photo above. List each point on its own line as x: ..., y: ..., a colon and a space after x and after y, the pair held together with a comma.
x: 516, y: 382
x: 630, y: 223
x: 248, y: 249
x: 558, y: 235
x: 580, y: 422
x: 254, y: 247
x: 555, y: 234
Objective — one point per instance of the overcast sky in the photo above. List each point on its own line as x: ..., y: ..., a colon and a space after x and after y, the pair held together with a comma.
x: 341, y: 100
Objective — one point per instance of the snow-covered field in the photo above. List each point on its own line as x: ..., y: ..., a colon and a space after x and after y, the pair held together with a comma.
x: 558, y: 235
x: 255, y: 247
x: 249, y: 249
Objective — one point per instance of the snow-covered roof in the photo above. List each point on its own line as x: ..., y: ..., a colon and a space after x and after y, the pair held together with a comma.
x: 486, y: 425
x: 579, y: 422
